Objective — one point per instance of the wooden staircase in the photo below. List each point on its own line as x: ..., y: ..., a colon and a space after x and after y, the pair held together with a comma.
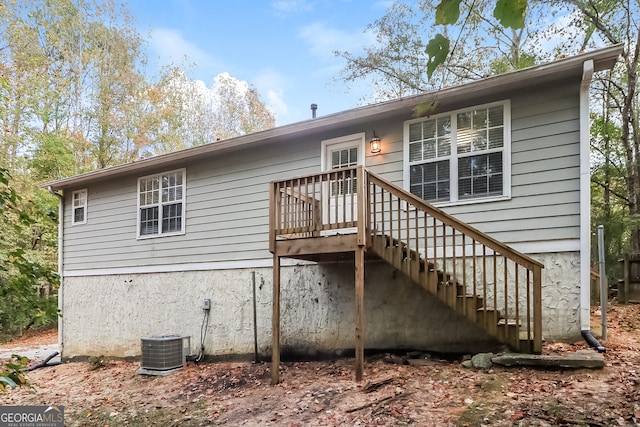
x: 479, y: 277
x: 353, y: 212
x: 451, y: 292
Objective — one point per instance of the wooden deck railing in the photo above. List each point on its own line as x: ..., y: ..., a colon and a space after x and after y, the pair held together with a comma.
x: 307, y: 206
x: 504, y: 282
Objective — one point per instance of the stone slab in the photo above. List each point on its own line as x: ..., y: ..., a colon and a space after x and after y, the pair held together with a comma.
x: 580, y: 359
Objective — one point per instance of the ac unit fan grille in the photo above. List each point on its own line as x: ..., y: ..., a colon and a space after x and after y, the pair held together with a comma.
x: 162, y: 353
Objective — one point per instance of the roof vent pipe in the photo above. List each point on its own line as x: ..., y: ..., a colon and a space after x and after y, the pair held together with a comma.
x: 314, y: 107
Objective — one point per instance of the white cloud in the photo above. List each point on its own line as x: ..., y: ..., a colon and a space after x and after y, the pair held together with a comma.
x: 324, y: 40
x: 384, y: 4
x: 171, y: 47
x: 240, y: 85
x: 270, y: 85
x: 276, y: 102
x: 285, y: 8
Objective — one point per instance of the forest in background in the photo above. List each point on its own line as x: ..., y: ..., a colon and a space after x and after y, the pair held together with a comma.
x: 74, y: 98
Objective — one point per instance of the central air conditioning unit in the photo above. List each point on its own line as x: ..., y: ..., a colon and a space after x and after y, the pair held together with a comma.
x: 165, y: 353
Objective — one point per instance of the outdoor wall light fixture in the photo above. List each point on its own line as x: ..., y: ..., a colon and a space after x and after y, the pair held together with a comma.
x: 376, y: 145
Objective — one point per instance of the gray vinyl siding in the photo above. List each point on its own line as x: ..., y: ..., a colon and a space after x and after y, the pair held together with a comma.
x: 227, y: 208
x: 227, y: 198
x: 545, y: 172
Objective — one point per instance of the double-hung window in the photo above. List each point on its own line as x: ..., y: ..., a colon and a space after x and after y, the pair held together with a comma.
x: 458, y: 156
x: 79, y: 211
x: 161, y: 201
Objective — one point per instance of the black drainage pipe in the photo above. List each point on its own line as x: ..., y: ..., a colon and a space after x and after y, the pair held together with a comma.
x: 592, y: 341
x: 47, y: 362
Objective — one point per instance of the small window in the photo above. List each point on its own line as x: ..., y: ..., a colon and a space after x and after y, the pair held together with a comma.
x: 79, y: 211
x: 161, y: 204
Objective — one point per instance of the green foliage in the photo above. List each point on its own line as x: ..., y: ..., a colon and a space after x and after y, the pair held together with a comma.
x: 425, y: 109
x: 97, y: 362
x: 504, y: 64
x: 609, y: 194
x: 28, y: 283
x: 12, y: 373
x: 77, y: 98
x: 73, y: 98
x: 448, y: 12
x: 53, y: 157
x: 437, y: 49
x: 511, y: 13
x: 8, y: 196
x: 413, y: 52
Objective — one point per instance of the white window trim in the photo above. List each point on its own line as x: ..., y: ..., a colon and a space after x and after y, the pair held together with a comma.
x: 183, y: 201
x: 453, y: 160
x: 339, y: 142
x: 73, y: 207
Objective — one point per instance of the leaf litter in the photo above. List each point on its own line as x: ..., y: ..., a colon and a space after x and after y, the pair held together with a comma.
x: 324, y: 393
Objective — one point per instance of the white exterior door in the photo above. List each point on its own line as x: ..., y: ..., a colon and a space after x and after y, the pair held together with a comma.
x: 341, y: 153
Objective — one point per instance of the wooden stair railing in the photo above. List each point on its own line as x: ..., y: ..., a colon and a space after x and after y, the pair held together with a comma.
x: 481, y: 278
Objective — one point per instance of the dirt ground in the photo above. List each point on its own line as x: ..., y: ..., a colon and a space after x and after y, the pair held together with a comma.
x: 435, y: 393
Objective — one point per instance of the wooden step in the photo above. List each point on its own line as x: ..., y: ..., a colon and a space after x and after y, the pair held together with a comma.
x: 509, y: 332
x: 450, y: 291
x: 526, y: 346
x: 526, y: 343
x: 468, y: 305
x: 488, y: 318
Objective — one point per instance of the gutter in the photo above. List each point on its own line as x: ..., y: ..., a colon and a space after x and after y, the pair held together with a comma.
x: 60, y: 266
x: 585, y: 208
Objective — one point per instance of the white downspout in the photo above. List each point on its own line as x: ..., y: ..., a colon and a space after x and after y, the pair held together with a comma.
x: 60, y: 269
x: 585, y: 198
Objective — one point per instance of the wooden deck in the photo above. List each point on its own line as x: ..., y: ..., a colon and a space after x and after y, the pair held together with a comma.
x: 352, y: 214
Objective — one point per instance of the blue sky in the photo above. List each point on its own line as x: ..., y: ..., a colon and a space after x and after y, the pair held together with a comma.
x: 282, y: 47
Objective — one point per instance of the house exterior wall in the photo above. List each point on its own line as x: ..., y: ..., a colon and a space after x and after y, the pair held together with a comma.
x: 317, y: 315
x: 543, y: 213
x: 118, y: 289
x: 227, y: 195
x: 107, y: 315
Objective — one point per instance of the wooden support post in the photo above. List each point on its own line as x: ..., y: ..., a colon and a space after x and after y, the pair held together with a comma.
x: 274, y: 203
x: 363, y: 208
x: 537, y: 310
x: 275, y: 323
x: 359, y: 312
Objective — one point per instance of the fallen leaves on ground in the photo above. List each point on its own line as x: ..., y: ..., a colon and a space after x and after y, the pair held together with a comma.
x: 324, y: 393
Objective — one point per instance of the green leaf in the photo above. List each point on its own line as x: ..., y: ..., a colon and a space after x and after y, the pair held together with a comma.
x: 21, y: 360
x: 8, y: 381
x: 447, y: 12
x: 511, y: 13
x: 437, y: 49
x: 425, y: 109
